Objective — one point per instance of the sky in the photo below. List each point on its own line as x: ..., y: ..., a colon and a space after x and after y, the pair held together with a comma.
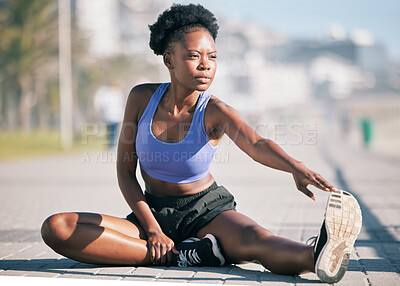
x: 312, y: 18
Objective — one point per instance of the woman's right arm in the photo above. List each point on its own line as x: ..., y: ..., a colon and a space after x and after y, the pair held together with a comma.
x: 160, y: 245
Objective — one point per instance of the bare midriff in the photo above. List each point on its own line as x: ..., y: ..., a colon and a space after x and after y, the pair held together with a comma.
x: 163, y: 189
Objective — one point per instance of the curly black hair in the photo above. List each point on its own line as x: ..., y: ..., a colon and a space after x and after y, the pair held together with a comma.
x: 173, y: 23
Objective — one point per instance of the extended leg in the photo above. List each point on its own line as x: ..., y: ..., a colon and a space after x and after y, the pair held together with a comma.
x: 95, y: 238
x: 242, y: 239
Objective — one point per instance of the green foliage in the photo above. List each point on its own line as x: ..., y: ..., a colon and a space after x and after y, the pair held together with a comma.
x: 28, y: 51
x: 29, y: 35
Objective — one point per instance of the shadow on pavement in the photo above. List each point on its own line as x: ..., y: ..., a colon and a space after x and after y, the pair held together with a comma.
x: 67, y: 266
x: 235, y: 273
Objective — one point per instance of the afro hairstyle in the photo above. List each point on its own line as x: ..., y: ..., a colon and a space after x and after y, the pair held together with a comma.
x: 173, y: 23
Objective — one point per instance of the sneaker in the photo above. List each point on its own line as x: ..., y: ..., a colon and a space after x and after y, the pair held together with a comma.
x: 339, y: 231
x: 199, y: 252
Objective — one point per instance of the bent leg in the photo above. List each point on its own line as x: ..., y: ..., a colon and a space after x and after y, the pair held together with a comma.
x: 96, y: 238
x: 242, y: 239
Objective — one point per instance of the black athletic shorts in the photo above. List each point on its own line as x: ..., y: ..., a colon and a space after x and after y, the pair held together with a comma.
x: 180, y: 217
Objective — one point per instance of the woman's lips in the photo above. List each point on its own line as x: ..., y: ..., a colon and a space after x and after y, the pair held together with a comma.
x: 203, y: 79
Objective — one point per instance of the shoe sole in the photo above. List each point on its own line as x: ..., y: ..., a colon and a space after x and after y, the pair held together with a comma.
x: 343, y: 221
x: 215, y: 248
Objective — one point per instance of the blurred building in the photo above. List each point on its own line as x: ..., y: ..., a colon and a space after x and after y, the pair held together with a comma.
x: 118, y: 26
x: 100, y: 22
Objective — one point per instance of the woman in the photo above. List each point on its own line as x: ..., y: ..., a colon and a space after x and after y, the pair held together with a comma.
x: 184, y: 218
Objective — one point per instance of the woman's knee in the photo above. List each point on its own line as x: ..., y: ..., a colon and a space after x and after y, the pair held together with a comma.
x: 57, y: 228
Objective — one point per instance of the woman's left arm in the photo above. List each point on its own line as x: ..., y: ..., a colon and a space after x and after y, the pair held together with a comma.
x: 266, y: 151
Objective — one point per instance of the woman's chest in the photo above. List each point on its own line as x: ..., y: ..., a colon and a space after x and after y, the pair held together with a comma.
x: 171, y: 129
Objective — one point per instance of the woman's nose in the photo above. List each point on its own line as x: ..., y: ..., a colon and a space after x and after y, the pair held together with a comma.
x: 204, y: 64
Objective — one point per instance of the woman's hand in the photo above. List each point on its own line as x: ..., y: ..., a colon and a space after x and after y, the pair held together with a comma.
x: 160, y: 248
x: 304, y: 177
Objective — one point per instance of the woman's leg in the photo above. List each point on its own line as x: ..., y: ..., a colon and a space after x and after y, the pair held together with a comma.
x: 242, y: 239
x: 96, y: 238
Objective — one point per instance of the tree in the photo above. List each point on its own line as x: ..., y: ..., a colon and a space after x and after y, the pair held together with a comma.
x: 28, y: 58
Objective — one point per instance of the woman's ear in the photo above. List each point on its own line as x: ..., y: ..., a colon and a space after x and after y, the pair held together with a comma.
x: 167, y: 57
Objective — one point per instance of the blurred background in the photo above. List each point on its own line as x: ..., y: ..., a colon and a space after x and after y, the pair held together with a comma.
x: 290, y: 66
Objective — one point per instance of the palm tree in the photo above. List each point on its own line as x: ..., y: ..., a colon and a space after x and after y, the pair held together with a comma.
x: 28, y: 56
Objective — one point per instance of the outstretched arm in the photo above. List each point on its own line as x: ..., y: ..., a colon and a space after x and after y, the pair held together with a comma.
x: 266, y: 151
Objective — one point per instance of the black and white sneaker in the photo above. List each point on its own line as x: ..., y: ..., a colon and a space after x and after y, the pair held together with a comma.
x: 339, y: 231
x: 200, y: 252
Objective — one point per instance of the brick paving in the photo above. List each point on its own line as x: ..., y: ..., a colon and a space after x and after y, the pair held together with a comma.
x: 31, y: 190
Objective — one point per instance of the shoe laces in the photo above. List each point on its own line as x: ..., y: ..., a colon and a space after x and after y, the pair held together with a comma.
x: 188, y: 257
x: 312, y: 240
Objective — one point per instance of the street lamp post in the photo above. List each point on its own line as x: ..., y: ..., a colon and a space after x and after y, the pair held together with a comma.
x: 64, y: 41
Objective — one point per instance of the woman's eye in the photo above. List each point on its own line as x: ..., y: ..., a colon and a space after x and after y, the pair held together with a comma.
x: 213, y: 57
x: 193, y: 56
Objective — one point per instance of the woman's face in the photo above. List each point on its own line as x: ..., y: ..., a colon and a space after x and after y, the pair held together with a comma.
x: 192, y: 63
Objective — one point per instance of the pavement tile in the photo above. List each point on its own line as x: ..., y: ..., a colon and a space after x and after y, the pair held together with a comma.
x: 383, y: 279
x: 291, y: 233
x: 251, y: 266
x: 206, y: 277
x: 241, y: 275
x: 394, y: 259
x: 391, y: 248
x: 371, y: 252
x: 42, y: 274
x: 372, y: 268
x: 176, y: 275
x: 145, y: 273
x: 125, y: 270
x: 10, y: 264
x: 61, y: 263
x: 13, y: 273
x: 354, y: 265
x: 268, y: 278
x: 8, y: 249
x: 308, y: 279
x: 240, y: 281
x: 353, y: 278
x: 25, y: 265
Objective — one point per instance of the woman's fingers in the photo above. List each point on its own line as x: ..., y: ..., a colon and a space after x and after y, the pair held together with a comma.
x: 157, y: 251
x: 319, y: 184
x: 163, y: 253
x: 326, y: 184
x: 152, y: 251
x: 318, y: 181
x: 307, y: 192
x: 169, y: 257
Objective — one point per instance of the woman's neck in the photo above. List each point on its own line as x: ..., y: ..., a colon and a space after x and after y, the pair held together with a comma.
x: 179, y: 99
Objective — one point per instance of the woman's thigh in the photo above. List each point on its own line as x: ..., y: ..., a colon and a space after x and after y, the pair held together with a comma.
x: 239, y: 235
x: 69, y: 220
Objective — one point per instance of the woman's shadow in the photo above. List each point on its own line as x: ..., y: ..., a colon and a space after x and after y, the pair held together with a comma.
x: 228, y: 273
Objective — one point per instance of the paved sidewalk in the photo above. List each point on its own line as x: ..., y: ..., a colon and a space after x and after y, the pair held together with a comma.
x: 33, y: 189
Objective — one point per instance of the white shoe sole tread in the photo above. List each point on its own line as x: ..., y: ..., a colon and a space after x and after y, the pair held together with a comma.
x: 343, y: 221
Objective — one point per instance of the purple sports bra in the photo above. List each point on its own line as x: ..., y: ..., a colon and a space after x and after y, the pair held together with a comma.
x: 182, y: 162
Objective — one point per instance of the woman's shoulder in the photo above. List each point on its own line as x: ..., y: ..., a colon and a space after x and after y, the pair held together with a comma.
x: 216, y: 105
x: 142, y: 91
x: 139, y: 97
x: 219, y: 112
